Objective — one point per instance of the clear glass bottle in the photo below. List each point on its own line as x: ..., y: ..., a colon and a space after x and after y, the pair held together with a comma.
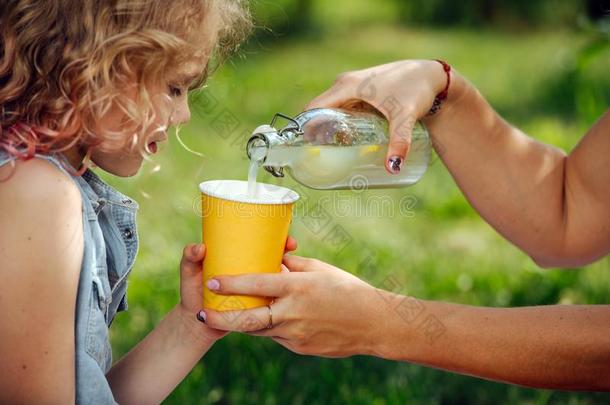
x: 330, y: 149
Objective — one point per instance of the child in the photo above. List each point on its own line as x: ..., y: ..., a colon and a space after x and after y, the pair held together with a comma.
x: 93, y: 81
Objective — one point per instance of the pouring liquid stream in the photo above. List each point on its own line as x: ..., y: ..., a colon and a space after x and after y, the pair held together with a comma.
x: 257, y: 156
x: 252, y: 174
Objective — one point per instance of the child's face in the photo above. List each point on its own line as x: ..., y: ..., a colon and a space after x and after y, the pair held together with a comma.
x: 171, y: 106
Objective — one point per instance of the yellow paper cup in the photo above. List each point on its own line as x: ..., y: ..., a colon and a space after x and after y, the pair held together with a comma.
x: 243, y: 234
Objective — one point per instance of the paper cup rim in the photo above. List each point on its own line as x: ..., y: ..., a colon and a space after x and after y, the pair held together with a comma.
x: 275, y: 195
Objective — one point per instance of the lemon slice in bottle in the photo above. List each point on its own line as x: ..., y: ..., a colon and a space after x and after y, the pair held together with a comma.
x: 366, y: 149
x: 313, y: 151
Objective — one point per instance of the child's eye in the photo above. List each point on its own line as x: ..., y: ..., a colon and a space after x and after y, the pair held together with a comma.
x: 175, y: 91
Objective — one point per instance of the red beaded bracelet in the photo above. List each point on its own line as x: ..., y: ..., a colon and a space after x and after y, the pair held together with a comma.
x: 440, y: 97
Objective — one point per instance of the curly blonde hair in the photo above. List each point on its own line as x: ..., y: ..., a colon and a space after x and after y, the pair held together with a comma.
x: 65, y: 63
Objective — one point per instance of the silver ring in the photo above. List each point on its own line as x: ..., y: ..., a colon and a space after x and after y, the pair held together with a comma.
x: 270, y: 323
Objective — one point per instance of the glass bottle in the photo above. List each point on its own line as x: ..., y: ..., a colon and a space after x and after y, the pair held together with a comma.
x: 328, y: 149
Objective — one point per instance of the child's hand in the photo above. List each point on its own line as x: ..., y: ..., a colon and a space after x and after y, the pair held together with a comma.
x: 191, y: 286
x: 191, y: 282
x: 291, y: 244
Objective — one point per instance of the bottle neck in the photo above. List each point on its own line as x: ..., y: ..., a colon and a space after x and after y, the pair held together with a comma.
x: 262, y: 144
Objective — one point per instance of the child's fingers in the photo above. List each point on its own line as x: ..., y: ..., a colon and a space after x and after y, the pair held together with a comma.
x: 291, y: 244
x: 192, y: 256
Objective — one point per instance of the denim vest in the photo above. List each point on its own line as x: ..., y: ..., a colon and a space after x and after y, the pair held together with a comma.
x: 110, y: 248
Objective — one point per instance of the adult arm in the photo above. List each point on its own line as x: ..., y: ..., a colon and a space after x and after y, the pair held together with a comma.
x: 324, y: 311
x: 552, y: 205
x: 556, y: 347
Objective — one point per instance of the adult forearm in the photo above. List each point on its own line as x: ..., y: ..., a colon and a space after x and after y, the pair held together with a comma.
x: 551, y: 206
x: 513, y: 181
x: 151, y: 370
x: 560, y: 347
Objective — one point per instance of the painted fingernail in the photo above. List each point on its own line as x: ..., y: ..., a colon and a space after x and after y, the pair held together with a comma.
x: 395, y: 164
x: 201, y: 316
x: 213, y: 284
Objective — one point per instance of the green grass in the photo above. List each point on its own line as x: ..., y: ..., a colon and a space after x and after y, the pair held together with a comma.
x: 443, y: 251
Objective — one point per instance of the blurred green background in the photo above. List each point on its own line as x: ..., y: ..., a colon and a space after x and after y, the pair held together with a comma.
x: 542, y: 64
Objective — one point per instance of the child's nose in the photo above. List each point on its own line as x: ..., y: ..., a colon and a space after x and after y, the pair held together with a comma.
x: 182, y: 113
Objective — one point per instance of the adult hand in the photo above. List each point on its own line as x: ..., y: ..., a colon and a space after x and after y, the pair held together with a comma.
x: 191, y: 285
x: 402, y: 91
x: 318, y: 309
